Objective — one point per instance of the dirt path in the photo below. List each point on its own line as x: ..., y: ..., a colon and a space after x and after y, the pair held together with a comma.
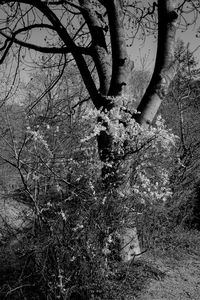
x: 181, y: 280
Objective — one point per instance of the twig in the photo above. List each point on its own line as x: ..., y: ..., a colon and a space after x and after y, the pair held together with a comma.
x: 18, y: 287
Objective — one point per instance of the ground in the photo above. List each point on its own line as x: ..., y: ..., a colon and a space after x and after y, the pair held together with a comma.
x: 180, y: 280
x: 169, y: 270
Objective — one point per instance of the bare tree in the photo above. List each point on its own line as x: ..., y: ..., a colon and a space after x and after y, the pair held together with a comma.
x: 80, y: 29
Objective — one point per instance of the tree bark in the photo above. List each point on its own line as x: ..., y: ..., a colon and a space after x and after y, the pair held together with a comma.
x: 99, y: 50
x: 165, y: 65
x: 164, y: 72
x: 115, y: 174
x: 119, y: 81
x: 120, y: 58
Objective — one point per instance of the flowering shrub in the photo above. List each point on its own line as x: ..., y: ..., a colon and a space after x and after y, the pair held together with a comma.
x: 146, y: 152
x: 77, y: 221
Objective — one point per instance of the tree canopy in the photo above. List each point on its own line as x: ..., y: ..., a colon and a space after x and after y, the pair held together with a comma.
x: 101, y: 30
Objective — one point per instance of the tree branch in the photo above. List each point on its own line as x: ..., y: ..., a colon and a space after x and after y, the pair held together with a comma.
x: 99, y: 48
x: 61, y: 50
x: 48, y: 89
x: 118, y: 45
x: 68, y: 41
x: 6, y: 51
x: 165, y: 66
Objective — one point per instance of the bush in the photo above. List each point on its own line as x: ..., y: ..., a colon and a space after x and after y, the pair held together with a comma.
x: 73, y: 249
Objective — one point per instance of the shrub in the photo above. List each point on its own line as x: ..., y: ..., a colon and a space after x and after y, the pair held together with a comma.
x: 73, y: 250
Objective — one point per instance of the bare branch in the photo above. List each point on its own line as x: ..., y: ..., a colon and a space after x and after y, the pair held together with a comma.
x: 165, y: 66
x: 48, y: 88
x: 68, y: 41
x: 99, y: 47
x: 6, y: 51
x: 60, y: 50
x: 118, y: 44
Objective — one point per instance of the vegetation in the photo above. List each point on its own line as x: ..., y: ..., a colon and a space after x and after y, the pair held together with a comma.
x: 91, y: 164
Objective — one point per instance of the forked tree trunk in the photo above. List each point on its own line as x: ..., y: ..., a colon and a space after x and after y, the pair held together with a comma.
x: 163, y: 74
x: 111, y: 173
x: 114, y: 83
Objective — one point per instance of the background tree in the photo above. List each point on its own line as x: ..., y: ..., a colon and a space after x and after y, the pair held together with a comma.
x: 182, y: 104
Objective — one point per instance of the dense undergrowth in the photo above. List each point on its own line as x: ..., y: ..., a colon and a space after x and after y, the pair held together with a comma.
x: 39, y: 266
x: 72, y: 251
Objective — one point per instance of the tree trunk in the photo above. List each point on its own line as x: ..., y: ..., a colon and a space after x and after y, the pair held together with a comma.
x: 116, y: 175
x: 109, y: 96
x: 164, y: 72
x: 165, y: 65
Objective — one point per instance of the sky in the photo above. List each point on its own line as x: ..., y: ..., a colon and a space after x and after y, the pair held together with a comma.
x: 143, y: 53
x: 147, y: 51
